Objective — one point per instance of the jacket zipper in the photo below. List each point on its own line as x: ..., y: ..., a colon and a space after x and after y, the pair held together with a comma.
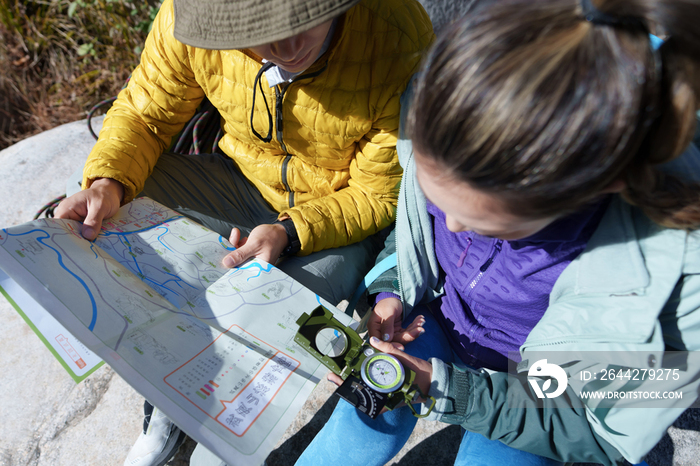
x: 398, y: 266
x: 279, y: 93
x: 496, y: 249
x: 482, y: 270
x: 279, y: 123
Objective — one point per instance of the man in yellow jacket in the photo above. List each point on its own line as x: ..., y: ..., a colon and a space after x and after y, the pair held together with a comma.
x: 308, y: 92
x: 313, y: 137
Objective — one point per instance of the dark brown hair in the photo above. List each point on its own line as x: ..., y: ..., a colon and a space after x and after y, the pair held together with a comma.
x: 530, y: 101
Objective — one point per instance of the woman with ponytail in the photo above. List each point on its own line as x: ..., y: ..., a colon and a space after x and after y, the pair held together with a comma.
x: 546, y: 226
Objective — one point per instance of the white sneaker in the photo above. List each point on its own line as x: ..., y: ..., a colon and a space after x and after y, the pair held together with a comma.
x: 159, y: 441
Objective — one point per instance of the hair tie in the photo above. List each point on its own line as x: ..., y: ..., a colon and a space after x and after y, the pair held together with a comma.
x: 594, y: 16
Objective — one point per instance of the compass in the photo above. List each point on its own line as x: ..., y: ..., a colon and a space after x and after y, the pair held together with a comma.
x: 383, y: 372
x: 372, y: 380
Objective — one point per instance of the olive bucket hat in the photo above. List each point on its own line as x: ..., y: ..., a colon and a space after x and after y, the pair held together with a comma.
x: 237, y: 24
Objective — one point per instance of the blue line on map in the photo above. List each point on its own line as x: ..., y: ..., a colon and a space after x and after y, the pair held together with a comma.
x: 178, y: 279
x: 161, y: 285
x: 92, y: 248
x: 128, y: 244
x: 140, y: 272
x: 221, y: 242
x: 142, y: 276
x: 91, y: 327
x: 122, y: 233
x: 176, y: 282
x: 260, y: 267
x: 161, y: 242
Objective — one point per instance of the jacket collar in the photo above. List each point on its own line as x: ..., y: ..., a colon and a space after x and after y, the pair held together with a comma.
x: 613, y: 261
x: 607, y: 267
x: 613, y: 293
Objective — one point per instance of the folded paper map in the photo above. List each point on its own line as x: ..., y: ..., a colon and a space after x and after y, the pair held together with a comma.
x: 212, y: 347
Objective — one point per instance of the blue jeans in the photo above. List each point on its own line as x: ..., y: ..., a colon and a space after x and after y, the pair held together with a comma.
x: 352, y: 438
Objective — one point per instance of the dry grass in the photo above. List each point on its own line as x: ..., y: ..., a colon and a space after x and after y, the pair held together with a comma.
x: 60, y: 57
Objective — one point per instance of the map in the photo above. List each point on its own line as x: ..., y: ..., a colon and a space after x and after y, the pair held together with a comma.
x: 72, y: 354
x: 212, y: 347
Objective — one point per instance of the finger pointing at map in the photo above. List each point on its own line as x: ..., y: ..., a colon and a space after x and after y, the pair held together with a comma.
x: 266, y: 242
x: 90, y: 206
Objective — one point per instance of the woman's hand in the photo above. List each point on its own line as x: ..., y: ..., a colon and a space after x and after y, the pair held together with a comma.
x: 385, y: 323
x: 91, y: 206
x: 422, y: 368
x: 266, y: 242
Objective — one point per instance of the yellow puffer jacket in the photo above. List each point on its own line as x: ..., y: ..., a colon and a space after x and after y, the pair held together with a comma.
x: 333, y: 167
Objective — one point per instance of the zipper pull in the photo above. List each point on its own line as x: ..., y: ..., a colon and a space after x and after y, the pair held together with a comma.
x: 496, y: 249
x: 278, y: 110
x: 460, y: 262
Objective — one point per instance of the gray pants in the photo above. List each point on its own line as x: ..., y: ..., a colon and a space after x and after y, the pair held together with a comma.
x: 212, y: 191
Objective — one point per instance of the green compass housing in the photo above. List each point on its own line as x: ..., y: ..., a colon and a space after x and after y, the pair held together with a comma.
x: 372, y: 380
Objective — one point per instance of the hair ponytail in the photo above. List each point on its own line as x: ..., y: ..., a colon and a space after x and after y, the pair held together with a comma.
x: 665, y: 198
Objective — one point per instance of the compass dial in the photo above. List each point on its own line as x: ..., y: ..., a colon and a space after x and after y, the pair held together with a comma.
x: 383, y: 372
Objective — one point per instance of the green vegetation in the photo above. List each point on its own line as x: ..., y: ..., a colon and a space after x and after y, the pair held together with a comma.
x: 60, y: 57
